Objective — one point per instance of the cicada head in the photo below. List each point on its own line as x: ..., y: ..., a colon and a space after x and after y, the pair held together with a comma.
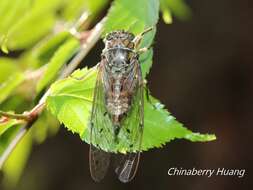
x: 119, y: 39
x: 119, y: 50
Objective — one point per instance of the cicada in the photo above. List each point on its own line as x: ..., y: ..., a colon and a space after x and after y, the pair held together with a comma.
x: 116, y: 123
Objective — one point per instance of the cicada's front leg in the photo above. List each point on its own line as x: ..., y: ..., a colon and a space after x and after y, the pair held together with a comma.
x: 143, y: 50
x: 137, y: 40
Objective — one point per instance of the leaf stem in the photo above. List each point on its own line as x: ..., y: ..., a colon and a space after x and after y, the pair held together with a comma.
x: 91, y: 40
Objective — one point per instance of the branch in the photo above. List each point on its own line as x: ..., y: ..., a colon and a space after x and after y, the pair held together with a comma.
x: 87, y: 45
x: 14, y: 115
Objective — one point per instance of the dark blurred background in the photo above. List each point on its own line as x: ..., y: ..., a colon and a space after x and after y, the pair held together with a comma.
x: 203, y: 73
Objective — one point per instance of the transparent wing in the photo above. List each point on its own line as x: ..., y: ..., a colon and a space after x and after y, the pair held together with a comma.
x: 102, y: 135
x: 99, y: 163
x: 100, y: 130
x: 132, y: 129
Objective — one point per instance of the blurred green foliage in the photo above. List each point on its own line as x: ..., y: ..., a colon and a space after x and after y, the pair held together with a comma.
x: 36, y: 34
x: 61, y: 56
x: 38, y: 30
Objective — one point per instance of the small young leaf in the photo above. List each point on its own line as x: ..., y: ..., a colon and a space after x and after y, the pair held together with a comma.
x: 167, y: 17
x: 178, y: 8
x: 3, y: 43
x: 70, y: 101
x: 61, y: 56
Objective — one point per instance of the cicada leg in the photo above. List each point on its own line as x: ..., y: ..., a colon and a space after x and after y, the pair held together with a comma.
x: 143, y: 50
x: 138, y: 38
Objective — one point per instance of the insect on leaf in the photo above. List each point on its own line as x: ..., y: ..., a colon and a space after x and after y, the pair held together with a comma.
x: 71, y: 101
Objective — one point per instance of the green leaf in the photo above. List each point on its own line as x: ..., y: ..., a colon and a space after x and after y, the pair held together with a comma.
x: 177, y: 7
x: 70, y: 101
x: 5, y: 125
x: 167, y: 17
x: 10, y: 12
x: 15, y: 164
x: 94, y: 7
x: 48, y: 47
x: 161, y: 127
x: 24, y: 22
x: 6, y: 138
x: 7, y: 67
x: 3, y: 42
x: 45, y: 126
x: 7, y: 87
x: 68, y: 92
x: 61, y: 56
x: 49, y: 5
x: 29, y: 29
x: 132, y: 15
x: 75, y: 8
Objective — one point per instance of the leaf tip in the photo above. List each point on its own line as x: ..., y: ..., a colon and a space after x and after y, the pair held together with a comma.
x: 3, y: 42
x: 167, y: 17
x: 197, y: 137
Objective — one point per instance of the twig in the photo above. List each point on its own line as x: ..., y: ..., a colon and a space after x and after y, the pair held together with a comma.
x: 86, y: 47
x: 14, y: 115
x: 35, y: 74
x: 35, y: 112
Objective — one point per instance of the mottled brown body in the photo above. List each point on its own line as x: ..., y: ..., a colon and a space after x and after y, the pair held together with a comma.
x: 119, y: 61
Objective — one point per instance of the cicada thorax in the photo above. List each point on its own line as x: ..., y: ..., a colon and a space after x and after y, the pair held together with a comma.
x: 120, y: 60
